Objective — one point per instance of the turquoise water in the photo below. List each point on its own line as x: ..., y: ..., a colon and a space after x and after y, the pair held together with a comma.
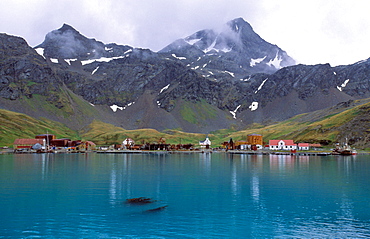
x: 208, y: 196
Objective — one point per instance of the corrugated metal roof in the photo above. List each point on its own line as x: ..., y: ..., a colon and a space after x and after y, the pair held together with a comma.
x: 303, y: 144
x: 286, y: 142
x: 27, y: 141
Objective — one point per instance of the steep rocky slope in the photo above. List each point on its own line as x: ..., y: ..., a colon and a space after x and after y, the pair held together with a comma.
x: 233, y: 51
x: 74, y: 79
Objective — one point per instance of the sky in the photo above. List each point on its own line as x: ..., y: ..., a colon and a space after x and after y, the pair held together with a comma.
x: 310, y: 31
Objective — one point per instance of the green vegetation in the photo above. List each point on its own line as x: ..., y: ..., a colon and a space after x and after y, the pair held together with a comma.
x: 318, y: 127
x: 15, y: 125
x: 107, y: 134
x: 302, y: 128
x: 195, y: 113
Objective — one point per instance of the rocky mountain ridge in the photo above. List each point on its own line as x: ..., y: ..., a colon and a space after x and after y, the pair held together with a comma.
x: 236, y: 51
x: 84, y: 79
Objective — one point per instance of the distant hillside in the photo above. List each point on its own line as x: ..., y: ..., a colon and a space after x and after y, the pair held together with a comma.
x: 348, y: 121
x: 345, y: 122
x: 15, y: 125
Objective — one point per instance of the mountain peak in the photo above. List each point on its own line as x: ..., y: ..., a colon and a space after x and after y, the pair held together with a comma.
x: 237, y: 41
x: 239, y: 23
x: 68, y: 43
x: 67, y: 27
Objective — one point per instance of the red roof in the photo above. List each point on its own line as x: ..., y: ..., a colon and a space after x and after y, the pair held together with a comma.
x: 286, y: 142
x: 303, y: 145
x: 27, y: 141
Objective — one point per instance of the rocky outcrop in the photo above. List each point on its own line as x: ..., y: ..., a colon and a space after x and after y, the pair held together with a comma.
x: 24, y: 73
x: 68, y: 43
x: 175, y: 87
x: 234, y: 51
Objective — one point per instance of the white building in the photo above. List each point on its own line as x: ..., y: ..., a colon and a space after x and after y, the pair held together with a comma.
x: 303, y: 146
x: 206, y: 143
x: 282, y: 145
x: 127, y: 143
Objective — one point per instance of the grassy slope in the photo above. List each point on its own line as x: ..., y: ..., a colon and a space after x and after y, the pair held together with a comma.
x: 305, y: 128
x: 321, y: 126
x: 106, y: 134
x: 15, y: 125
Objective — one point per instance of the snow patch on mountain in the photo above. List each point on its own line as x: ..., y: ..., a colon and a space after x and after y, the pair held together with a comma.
x: 92, y: 73
x: 246, y: 79
x: 164, y: 88
x: 253, y: 62
x: 211, y: 47
x: 260, y: 87
x: 340, y: 88
x: 69, y: 61
x: 40, y: 51
x: 102, y: 59
x: 276, y: 62
x: 230, y: 73
x: 192, y: 41
x: 253, y: 106
x: 179, y: 57
x: 233, y: 113
x: 116, y: 107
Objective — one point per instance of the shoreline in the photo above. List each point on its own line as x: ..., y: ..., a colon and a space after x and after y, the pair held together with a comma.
x: 206, y: 151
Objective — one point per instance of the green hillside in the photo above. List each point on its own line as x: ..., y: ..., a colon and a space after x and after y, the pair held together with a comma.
x: 336, y: 124
x: 107, y: 134
x: 350, y: 121
x: 15, y: 125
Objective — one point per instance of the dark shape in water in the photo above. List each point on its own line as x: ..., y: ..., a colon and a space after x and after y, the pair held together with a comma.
x: 157, y: 209
x: 140, y: 200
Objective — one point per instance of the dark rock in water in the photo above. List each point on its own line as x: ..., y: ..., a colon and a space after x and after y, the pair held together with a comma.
x: 157, y: 209
x: 140, y: 200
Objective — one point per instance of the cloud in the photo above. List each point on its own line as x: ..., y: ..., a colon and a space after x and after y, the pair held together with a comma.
x: 315, y: 31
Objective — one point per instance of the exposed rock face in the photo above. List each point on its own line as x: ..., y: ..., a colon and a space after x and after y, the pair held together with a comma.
x: 68, y: 43
x: 236, y: 50
x: 23, y: 72
x: 204, y: 82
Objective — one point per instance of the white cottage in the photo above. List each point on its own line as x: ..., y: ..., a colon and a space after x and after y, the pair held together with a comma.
x: 205, y: 144
x: 282, y: 145
x: 127, y: 143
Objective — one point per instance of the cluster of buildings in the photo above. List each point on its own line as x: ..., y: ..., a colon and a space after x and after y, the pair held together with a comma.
x: 49, y: 143
x: 129, y: 144
x: 255, y: 142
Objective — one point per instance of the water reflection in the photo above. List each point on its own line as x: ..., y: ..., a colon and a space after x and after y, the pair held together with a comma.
x: 282, y: 162
x: 239, y: 196
x: 206, y: 162
x: 255, y: 189
x: 234, y: 179
x: 120, y: 172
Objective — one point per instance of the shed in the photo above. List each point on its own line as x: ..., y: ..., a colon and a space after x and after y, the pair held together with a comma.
x: 303, y: 146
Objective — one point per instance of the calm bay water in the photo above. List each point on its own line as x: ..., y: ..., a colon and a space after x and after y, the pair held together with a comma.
x: 208, y: 196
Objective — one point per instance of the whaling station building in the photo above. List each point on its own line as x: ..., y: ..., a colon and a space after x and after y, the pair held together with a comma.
x: 48, y: 142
